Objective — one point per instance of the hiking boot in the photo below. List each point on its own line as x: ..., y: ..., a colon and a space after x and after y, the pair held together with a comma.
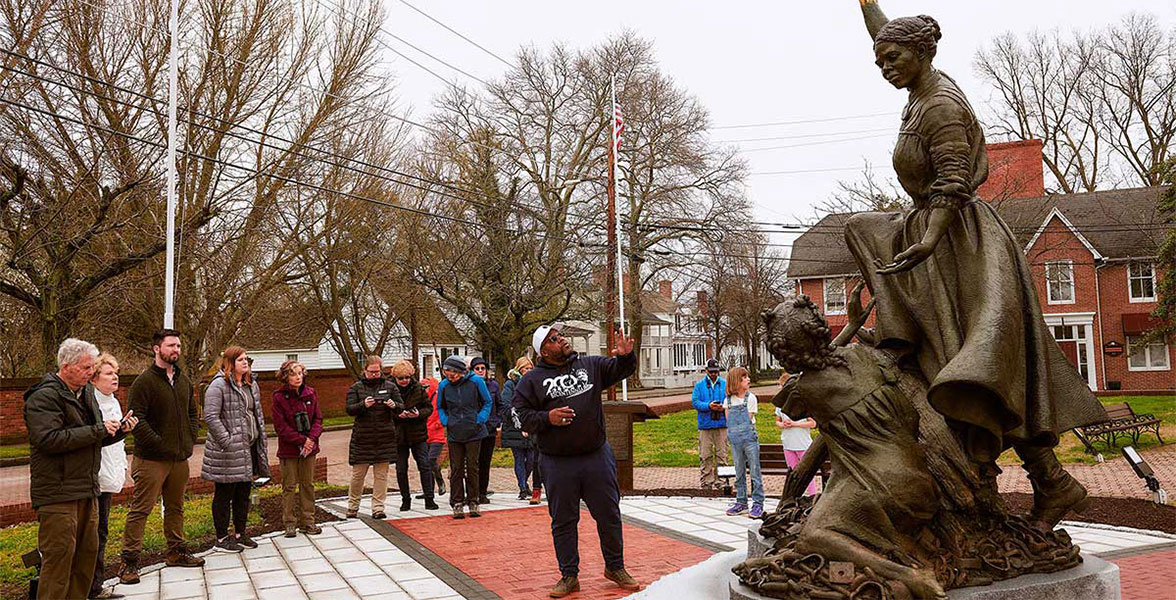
x: 566, y: 585
x: 430, y: 504
x: 757, y: 511
x: 228, y: 544
x: 106, y: 594
x: 458, y: 512
x: 523, y: 494
x: 622, y: 578
x: 535, y: 495
x: 406, y: 504
x: 311, y: 529
x: 352, y: 514
x: 291, y: 532
x: 474, y: 512
x: 736, y: 509
x: 379, y: 514
x: 129, y: 574
x: 182, y: 558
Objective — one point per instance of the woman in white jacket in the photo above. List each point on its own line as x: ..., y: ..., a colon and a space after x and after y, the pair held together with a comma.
x: 112, y: 473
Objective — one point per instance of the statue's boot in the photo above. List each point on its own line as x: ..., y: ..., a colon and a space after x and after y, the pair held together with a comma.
x: 1055, y: 492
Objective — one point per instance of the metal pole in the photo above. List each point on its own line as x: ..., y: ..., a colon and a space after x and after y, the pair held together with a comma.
x: 169, y: 292
x: 610, y: 299
x: 620, y: 277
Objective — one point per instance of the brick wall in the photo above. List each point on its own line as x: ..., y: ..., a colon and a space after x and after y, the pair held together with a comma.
x: 1115, y: 302
x: 331, y: 386
x: 1014, y: 171
x: 23, y: 513
x: 815, y: 290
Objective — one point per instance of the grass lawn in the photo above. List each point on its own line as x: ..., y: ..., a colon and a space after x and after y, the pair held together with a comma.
x: 19, y: 539
x: 1071, y: 451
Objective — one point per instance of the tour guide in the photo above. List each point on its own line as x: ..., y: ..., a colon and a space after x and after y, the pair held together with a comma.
x: 559, y: 402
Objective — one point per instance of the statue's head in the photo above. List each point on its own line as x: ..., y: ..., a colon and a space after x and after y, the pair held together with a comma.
x: 798, y: 335
x: 905, y: 47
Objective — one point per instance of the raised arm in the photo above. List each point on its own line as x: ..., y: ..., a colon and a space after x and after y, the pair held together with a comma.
x: 874, y: 16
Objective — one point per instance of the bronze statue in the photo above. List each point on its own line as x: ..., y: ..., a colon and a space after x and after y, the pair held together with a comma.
x: 960, y: 367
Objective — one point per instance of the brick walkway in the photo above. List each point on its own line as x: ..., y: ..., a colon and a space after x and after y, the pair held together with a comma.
x: 523, y: 565
x: 1148, y: 576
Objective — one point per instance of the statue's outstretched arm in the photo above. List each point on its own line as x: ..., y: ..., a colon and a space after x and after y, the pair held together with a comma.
x: 874, y: 16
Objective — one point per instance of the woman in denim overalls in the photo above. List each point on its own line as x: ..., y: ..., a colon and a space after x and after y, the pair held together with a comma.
x: 741, y: 406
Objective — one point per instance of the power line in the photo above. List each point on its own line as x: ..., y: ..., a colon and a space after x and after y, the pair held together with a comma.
x: 804, y: 121
x: 820, y: 143
x: 457, y: 33
x: 806, y: 136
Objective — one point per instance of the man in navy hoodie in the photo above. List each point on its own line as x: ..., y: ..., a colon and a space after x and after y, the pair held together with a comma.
x: 558, y: 402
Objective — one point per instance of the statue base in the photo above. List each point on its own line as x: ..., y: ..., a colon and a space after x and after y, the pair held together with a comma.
x: 1094, y: 579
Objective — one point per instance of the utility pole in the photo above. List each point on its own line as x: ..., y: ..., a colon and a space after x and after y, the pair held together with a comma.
x: 169, y: 292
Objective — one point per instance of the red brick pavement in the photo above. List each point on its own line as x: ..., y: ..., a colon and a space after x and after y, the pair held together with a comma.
x: 510, y: 552
x: 1148, y: 576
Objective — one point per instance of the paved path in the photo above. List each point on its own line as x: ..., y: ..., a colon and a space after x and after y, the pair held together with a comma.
x: 418, y: 555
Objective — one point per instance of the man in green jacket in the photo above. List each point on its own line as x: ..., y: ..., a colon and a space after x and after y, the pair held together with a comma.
x: 162, y: 397
x: 66, y: 436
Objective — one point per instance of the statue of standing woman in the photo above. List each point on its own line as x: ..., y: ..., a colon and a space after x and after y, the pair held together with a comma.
x: 953, y: 287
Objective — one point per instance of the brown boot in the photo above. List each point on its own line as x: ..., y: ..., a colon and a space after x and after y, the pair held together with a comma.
x: 566, y: 585
x: 129, y: 574
x: 622, y: 578
x: 181, y: 558
x: 1055, y: 492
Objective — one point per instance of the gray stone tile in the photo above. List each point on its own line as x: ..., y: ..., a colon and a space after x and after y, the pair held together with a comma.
x: 372, y: 585
x: 285, y: 542
x: 346, y: 594
x: 366, y: 533
x: 214, y: 562
x: 321, y: 582
x: 345, y: 555
x: 407, y: 572
x: 181, y: 589
x: 262, y: 550
x: 359, y: 568
x: 310, y: 567
x: 226, y: 576
x: 268, y: 563
x: 394, y: 556
x: 301, y: 553
x: 232, y: 591
x: 282, y: 593
x: 398, y: 595
x: 332, y: 543
x: 273, y: 579
x: 172, y: 575
x: 373, y: 545
x: 427, y: 589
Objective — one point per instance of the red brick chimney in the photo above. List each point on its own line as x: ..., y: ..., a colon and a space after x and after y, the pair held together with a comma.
x: 1014, y: 171
x: 702, y: 305
x: 666, y: 288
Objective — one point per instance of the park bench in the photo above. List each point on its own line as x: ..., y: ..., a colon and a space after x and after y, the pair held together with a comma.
x: 1122, y: 421
x: 772, y: 462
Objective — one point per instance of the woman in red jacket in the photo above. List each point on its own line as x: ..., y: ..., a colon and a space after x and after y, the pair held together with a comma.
x: 298, y: 423
x: 436, y: 437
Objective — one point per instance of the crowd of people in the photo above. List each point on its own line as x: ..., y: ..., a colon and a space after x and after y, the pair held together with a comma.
x: 549, y: 412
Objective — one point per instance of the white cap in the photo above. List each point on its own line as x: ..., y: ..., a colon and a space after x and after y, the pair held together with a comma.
x: 540, y: 335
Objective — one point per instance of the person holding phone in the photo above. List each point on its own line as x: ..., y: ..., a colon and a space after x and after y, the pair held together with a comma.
x: 298, y: 423
x: 372, y: 401
x: 708, y: 397
x: 558, y: 402
x: 463, y: 405
x: 412, y: 434
x: 112, y: 474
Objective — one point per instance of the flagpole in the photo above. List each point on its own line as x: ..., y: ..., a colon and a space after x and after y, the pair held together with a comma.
x: 169, y: 284
x: 610, y: 307
x: 615, y: 179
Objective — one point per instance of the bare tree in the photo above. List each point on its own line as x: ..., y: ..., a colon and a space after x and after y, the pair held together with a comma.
x: 1102, y: 103
x: 865, y: 194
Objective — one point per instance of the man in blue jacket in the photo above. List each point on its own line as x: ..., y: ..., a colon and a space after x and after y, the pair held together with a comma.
x: 558, y: 403
x: 463, y: 406
x: 708, y: 399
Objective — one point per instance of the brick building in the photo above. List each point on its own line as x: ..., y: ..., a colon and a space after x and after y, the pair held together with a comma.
x: 1093, y: 261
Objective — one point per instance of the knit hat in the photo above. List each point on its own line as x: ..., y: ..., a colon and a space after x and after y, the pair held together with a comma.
x: 456, y: 364
x: 478, y: 360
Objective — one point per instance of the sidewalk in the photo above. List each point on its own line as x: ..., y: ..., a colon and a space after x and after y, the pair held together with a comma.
x: 418, y: 555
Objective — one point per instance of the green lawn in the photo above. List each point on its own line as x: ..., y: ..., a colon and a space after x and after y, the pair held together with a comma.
x: 672, y: 441
x: 1071, y: 451
x: 19, y: 539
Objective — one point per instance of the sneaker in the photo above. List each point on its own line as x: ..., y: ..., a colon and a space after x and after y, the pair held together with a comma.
x: 379, y: 514
x: 311, y: 529
x: 459, y: 512
x: 566, y: 585
x: 487, y: 495
x: 440, y: 482
x: 182, y: 558
x: 420, y: 496
x: 246, y: 541
x: 535, y: 494
x: 737, y: 509
x: 622, y: 578
x: 757, y: 511
x: 228, y: 544
x: 474, y: 512
x: 484, y: 500
x: 524, y: 494
x: 405, y: 504
x: 430, y: 505
x: 129, y: 574
x: 106, y: 594
x: 291, y: 532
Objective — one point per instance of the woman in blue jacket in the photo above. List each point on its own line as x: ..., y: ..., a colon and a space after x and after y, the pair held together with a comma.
x: 463, y: 406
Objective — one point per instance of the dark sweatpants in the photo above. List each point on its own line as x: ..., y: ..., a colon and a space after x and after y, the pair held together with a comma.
x: 592, y: 478
x: 103, y: 530
x: 485, y: 456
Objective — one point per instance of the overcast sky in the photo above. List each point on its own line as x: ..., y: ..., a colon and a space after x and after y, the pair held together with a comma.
x: 748, y: 63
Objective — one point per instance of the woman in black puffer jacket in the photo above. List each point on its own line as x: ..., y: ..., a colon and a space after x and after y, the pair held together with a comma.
x: 372, y: 401
x: 412, y: 434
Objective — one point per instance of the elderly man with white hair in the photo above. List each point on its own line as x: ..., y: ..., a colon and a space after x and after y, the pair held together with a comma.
x: 66, y: 436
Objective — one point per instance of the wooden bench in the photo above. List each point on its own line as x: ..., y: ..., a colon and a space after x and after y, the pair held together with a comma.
x: 1122, y: 421
x: 772, y: 462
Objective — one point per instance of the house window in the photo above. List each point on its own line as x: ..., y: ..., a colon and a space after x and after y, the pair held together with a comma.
x: 835, y: 296
x: 679, y: 356
x: 293, y: 357
x: 1059, y: 282
x: 1141, y: 281
x: 1143, y: 356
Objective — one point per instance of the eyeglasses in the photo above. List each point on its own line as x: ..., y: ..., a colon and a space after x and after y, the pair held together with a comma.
x: 250, y: 359
x: 555, y: 337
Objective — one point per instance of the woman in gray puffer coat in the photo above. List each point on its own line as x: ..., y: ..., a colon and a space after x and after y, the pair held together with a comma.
x: 235, y: 447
